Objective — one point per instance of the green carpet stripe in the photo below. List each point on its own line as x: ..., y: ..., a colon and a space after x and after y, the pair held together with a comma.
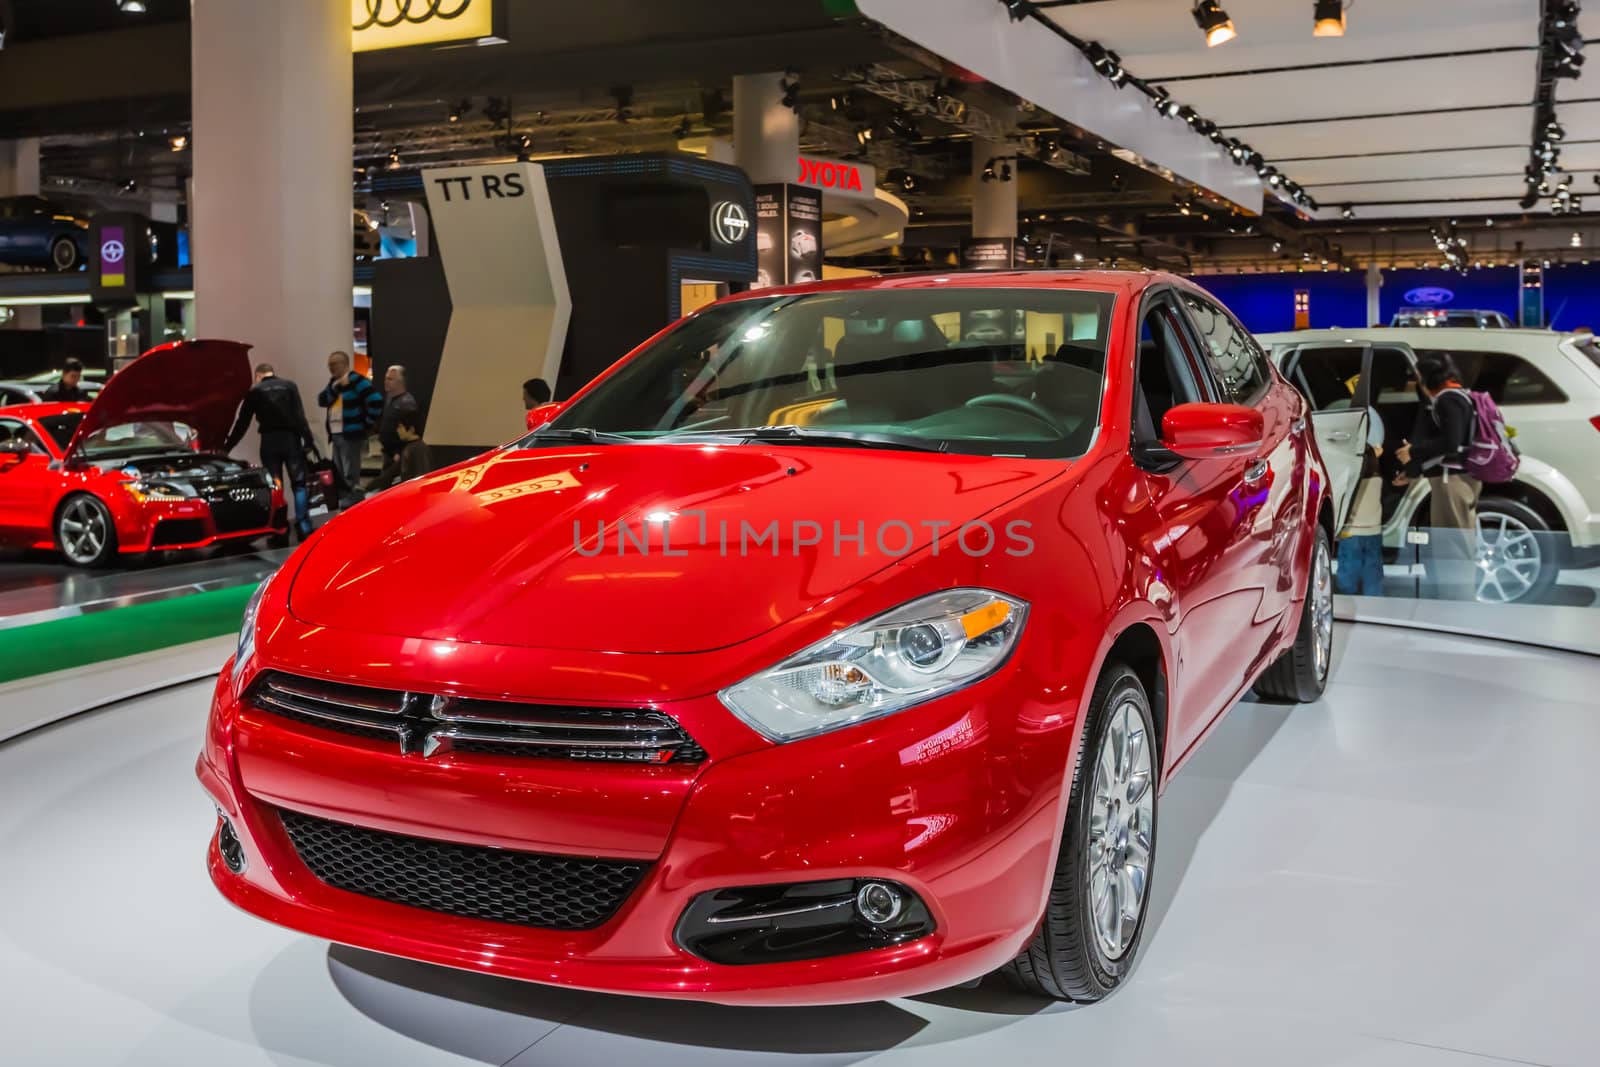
x: 101, y: 635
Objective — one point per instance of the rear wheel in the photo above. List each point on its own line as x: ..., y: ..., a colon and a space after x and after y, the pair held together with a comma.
x: 1094, y: 918
x: 1517, y: 561
x: 85, y: 532
x: 1301, y: 674
x: 64, y: 253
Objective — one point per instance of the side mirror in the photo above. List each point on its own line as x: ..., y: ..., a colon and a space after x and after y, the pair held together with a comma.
x: 12, y: 453
x: 1212, y: 431
x: 543, y: 413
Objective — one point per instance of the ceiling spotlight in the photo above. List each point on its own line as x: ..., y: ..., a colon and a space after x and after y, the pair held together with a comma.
x: 129, y: 186
x: 131, y: 7
x: 988, y: 171
x: 1328, y: 16
x: 1348, y: 212
x: 863, y: 135
x: 909, y: 182
x: 394, y: 157
x: 1214, y: 22
x: 178, y: 142
x: 791, y: 92
x: 1554, y: 132
x: 1189, y: 115
x: 1005, y: 172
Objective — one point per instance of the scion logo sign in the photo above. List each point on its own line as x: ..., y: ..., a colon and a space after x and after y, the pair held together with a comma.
x: 112, y: 252
x: 377, y: 24
x: 729, y: 223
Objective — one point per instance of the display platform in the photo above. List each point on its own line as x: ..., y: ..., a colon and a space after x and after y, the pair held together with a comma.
x: 1399, y: 874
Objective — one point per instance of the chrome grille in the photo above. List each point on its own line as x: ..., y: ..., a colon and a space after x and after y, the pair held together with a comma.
x: 429, y: 724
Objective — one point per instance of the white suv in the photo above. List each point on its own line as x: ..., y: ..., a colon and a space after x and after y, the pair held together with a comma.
x: 1548, y: 388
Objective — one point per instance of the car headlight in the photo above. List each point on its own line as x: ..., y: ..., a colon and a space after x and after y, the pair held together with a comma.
x: 931, y: 646
x: 247, y: 630
x: 155, y: 492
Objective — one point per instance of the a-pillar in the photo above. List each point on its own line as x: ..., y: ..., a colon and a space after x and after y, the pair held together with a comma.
x: 19, y: 176
x: 272, y: 140
x: 766, y: 134
x: 994, y: 202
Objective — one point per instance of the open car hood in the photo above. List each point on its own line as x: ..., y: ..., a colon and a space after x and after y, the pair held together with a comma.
x: 200, y: 383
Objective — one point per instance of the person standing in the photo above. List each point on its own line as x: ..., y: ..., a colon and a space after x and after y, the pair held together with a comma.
x: 535, y: 393
x: 354, y: 407
x: 274, y: 404
x: 397, y: 401
x: 67, y: 388
x: 1443, y: 436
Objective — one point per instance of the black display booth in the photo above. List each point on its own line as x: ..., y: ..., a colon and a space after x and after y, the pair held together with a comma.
x: 634, y: 230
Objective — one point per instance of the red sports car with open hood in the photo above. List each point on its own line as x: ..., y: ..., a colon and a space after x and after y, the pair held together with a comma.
x: 137, y: 469
x: 828, y: 647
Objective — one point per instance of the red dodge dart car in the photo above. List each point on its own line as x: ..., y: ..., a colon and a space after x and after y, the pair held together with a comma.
x: 134, y: 471
x: 828, y: 647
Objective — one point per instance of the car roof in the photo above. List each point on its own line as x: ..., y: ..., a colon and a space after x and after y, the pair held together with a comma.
x: 1465, y: 336
x: 43, y: 410
x: 1105, y: 281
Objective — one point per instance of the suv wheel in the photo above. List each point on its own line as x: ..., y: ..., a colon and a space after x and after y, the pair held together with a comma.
x: 1517, y: 554
x: 64, y: 254
x: 1100, y: 892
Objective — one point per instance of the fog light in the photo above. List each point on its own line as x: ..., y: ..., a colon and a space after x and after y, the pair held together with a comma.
x: 878, y: 903
x: 229, y: 846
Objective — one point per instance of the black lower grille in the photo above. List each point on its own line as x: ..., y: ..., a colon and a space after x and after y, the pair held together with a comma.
x: 240, y: 509
x: 495, y: 884
x: 178, y: 532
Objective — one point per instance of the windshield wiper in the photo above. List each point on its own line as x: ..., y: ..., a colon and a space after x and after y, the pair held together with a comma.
x: 585, y: 434
x: 845, y: 438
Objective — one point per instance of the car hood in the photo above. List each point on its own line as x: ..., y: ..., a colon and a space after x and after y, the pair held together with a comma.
x: 489, y: 552
x: 200, y: 383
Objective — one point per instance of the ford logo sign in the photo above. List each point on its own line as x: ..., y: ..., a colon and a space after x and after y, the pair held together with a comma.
x: 1430, y: 296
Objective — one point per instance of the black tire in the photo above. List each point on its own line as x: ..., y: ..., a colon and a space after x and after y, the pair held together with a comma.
x: 64, y: 254
x: 85, y: 532
x: 1065, y: 960
x: 1515, y: 512
x: 1301, y: 674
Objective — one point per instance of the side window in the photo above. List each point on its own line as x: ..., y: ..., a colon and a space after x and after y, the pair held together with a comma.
x: 1236, y: 359
x: 1327, y: 376
x: 1509, y: 379
x: 16, y: 431
x: 1165, y: 377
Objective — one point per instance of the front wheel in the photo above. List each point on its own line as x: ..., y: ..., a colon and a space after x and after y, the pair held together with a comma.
x: 1301, y: 674
x: 85, y: 532
x: 64, y: 254
x: 1100, y: 892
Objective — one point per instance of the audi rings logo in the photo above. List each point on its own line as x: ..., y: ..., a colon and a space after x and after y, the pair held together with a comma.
x: 386, y: 14
x: 111, y: 252
x: 729, y: 223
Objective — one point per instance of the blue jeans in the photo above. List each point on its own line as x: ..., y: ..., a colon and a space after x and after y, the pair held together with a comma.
x: 1360, y: 570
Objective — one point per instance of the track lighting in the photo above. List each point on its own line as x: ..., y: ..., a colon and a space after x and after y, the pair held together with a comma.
x: 1213, y: 22
x: 988, y: 171
x: 1554, y: 132
x: 394, y: 157
x: 1328, y: 18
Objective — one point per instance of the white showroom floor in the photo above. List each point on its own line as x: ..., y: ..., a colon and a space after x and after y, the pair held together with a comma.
x: 1402, y: 874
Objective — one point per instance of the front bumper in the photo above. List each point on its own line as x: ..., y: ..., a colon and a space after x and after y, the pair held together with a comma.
x: 958, y: 800
x: 163, y: 526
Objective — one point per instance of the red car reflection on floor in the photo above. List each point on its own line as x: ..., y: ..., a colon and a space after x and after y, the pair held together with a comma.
x: 832, y: 646
x: 137, y: 469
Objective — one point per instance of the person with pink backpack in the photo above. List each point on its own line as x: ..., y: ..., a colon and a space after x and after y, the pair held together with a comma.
x: 1460, y: 442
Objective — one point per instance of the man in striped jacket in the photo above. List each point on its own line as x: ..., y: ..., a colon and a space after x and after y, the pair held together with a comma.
x: 354, y: 407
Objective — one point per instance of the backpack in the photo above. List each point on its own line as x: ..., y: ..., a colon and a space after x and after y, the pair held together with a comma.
x: 1491, y: 457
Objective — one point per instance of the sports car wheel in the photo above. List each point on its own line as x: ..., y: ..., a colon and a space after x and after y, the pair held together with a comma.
x: 1095, y: 915
x: 1516, y: 553
x: 85, y: 532
x: 64, y: 254
x: 1301, y: 674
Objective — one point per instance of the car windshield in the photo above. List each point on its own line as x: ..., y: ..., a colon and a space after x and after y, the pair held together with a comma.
x: 946, y: 368
x: 133, y: 438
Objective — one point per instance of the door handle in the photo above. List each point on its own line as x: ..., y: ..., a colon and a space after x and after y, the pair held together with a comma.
x: 1256, y: 471
x: 1339, y: 435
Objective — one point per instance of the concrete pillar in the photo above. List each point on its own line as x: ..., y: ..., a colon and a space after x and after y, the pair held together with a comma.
x: 766, y: 135
x: 19, y: 167
x: 994, y: 203
x: 272, y: 140
x: 1374, y: 284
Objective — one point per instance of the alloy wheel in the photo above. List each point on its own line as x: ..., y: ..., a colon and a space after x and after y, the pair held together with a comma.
x: 1322, y: 610
x: 83, y: 530
x: 64, y: 254
x: 1121, y: 830
x: 1509, y: 558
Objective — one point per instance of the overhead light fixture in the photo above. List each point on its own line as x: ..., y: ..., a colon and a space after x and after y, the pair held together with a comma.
x: 178, y: 142
x: 1348, y: 212
x: 1328, y: 18
x: 131, y: 7
x: 394, y: 157
x: 1214, y: 22
x: 909, y: 182
x: 1005, y: 172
